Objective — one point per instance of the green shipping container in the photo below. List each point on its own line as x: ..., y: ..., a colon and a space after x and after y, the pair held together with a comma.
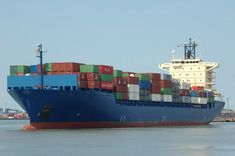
x: 144, y: 77
x: 106, y: 77
x: 22, y: 69
x: 119, y: 96
x: 117, y: 73
x: 13, y: 70
x: 125, y: 74
x: 48, y: 67
x: 89, y: 68
x: 166, y: 91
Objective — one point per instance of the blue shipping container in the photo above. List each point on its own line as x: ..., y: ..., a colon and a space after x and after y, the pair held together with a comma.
x: 49, y: 81
x: 145, y: 84
x: 194, y: 94
x: 33, y: 69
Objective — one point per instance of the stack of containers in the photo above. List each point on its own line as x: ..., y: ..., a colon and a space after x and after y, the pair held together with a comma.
x: 198, y: 95
x: 145, y: 87
x: 106, y: 77
x: 155, y: 79
x: 166, y: 88
x: 210, y: 96
x: 62, y: 68
x: 185, y: 92
x: 120, y: 85
x: 133, y: 88
x: 90, y: 77
x: 175, y: 90
x: 19, y: 70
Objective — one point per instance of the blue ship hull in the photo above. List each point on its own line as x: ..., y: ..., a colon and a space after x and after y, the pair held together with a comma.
x: 98, y: 109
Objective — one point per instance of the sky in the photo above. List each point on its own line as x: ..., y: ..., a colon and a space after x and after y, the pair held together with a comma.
x: 132, y: 35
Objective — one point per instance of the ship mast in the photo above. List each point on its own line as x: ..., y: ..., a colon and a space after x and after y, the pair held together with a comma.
x: 40, y: 55
x: 190, y: 50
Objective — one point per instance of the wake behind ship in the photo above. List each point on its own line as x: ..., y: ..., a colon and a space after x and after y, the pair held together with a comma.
x: 74, y: 95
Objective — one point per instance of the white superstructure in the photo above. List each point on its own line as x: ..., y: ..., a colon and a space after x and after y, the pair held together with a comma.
x: 191, y: 69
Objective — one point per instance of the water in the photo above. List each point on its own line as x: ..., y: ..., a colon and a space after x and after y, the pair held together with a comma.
x: 217, y: 139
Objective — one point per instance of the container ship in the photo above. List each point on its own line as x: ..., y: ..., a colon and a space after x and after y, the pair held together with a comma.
x: 67, y: 95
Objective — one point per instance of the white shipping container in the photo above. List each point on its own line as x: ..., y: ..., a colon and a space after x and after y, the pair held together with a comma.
x: 156, y: 97
x: 167, y: 98
x: 133, y: 88
x: 186, y: 99
x: 134, y: 95
x: 185, y: 85
x: 202, y: 100
x: 194, y: 100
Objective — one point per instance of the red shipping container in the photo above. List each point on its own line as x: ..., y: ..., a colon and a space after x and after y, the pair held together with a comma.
x: 103, y: 69
x: 184, y: 92
x: 117, y: 81
x: 166, y: 84
x: 125, y: 96
x: 93, y: 77
x: 133, y: 80
x: 82, y: 84
x: 155, y: 90
x: 66, y: 67
x: 155, y: 76
x: 82, y: 76
x: 156, y: 83
x: 196, y: 88
x: 106, y: 85
x: 124, y: 81
x: 40, y: 69
x: 93, y: 84
x: 120, y: 88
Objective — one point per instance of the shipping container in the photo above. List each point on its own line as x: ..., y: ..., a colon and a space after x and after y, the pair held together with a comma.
x: 167, y: 98
x: 106, y: 85
x: 155, y: 97
x: 117, y: 81
x: 106, y: 77
x: 65, y: 67
x: 134, y: 96
x: 143, y: 77
x: 133, y: 88
x: 103, y: 69
x: 117, y: 73
x: 83, y: 84
x: 118, y: 96
x: 89, y: 68
x: 133, y: 80
x: 22, y: 69
x: 155, y: 76
x: 48, y: 67
x: 33, y: 69
x: 184, y: 92
x: 93, y: 84
x: 197, y: 88
x: 145, y: 84
x: 166, y: 91
x: 120, y: 88
x: 155, y: 90
x: 155, y: 83
x: 194, y: 93
x: 194, y: 100
x: 92, y: 76
x: 167, y: 77
x: 13, y: 69
x: 166, y: 84
x: 202, y: 100
x: 186, y: 99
